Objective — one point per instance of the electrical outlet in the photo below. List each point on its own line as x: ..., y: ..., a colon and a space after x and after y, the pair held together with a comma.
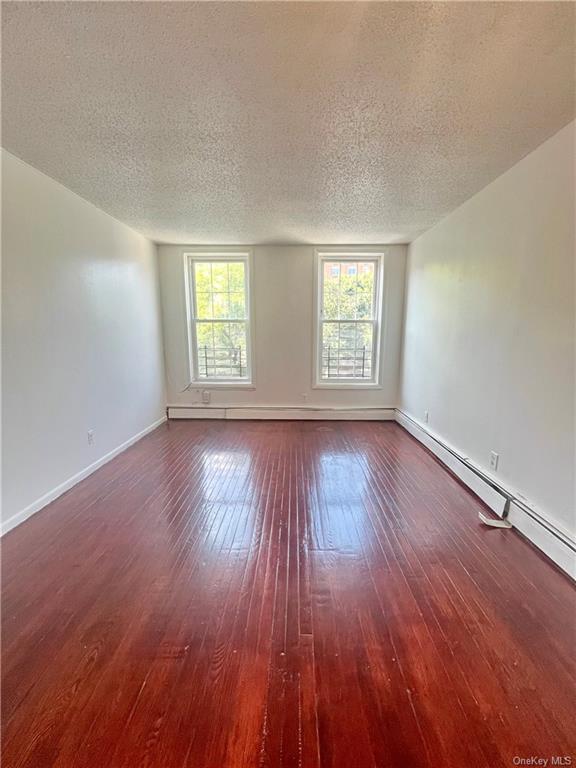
x: 90, y: 437
x: 426, y: 417
x: 205, y: 396
x: 494, y: 460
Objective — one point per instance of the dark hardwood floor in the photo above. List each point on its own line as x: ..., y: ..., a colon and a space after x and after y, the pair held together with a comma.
x: 236, y: 594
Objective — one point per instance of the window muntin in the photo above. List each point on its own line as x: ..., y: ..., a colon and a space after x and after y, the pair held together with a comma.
x: 219, y: 317
x: 348, y: 319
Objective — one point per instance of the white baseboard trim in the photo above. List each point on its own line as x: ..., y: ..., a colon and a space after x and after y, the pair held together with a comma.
x: 557, y: 544
x: 492, y: 497
x: 37, y: 505
x: 281, y: 412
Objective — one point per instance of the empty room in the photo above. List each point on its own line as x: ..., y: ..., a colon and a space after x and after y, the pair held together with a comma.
x: 288, y: 384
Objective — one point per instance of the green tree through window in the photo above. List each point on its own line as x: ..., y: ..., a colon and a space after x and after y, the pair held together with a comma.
x: 347, y: 319
x: 220, y: 317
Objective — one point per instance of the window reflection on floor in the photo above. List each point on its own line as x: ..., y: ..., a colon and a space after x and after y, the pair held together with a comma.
x: 338, y: 516
x: 227, y: 492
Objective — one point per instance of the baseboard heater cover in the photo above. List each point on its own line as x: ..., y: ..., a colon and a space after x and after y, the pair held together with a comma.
x: 490, y: 495
x: 558, y: 545
x: 281, y: 412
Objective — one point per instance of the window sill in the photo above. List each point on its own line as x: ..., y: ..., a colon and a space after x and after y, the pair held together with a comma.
x: 221, y: 385
x: 346, y: 385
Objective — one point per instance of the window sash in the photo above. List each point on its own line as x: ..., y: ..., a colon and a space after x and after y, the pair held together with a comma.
x: 222, y: 358
x: 194, y: 322
x: 374, y: 320
x: 339, y: 357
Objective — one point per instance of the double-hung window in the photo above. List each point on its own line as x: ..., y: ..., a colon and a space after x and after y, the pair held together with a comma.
x: 219, y: 317
x: 349, y: 313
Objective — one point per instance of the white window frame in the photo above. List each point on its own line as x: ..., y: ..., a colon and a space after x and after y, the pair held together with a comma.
x: 340, y: 255
x: 205, y: 255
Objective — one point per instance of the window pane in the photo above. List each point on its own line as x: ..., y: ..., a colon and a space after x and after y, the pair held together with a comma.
x: 348, y: 290
x: 347, y: 350
x: 204, y: 334
x: 236, y: 276
x: 220, y: 306
x: 204, y: 305
x: 331, y: 291
x: 202, y: 276
x: 365, y: 291
x: 221, y: 350
x: 219, y: 276
x: 237, y: 306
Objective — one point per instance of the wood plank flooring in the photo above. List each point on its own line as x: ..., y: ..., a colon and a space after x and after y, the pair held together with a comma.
x: 314, y: 594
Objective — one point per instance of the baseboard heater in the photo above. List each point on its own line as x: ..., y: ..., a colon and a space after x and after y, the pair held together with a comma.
x: 281, y: 412
x: 512, y: 511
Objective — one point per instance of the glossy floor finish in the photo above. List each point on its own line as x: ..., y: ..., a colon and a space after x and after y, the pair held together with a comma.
x: 237, y: 594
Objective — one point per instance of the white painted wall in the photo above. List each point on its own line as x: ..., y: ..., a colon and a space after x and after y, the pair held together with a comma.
x: 489, y: 329
x: 81, y: 335
x: 283, y: 288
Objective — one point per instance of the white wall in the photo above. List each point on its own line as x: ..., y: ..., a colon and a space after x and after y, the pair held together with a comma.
x: 489, y: 329
x: 283, y: 286
x: 81, y: 335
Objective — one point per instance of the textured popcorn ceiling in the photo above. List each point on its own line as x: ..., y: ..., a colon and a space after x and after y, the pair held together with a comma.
x: 282, y: 122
